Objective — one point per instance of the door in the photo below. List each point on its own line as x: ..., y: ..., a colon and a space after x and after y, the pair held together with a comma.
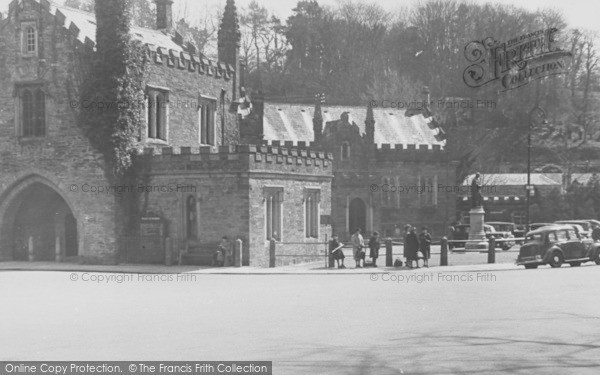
x: 357, y: 215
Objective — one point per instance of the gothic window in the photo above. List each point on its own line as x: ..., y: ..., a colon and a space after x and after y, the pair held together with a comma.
x: 206, y: 120
x: 311, y: 213
x: 345, y: 151
x: 32, y: 112
x: 273, y: 212
x: 430, y: 192
x: 191, y: 217
x: 158, y: 114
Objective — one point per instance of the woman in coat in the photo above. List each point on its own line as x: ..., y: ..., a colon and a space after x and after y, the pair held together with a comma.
x: 374, y: 246
x: 425, y: 245
x: 411, y: 247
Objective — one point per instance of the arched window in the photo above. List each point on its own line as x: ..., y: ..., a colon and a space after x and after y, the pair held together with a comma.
x: 27, y: 113
x: 345, y: 151
x: 33, y: 112
x: 191, y: 218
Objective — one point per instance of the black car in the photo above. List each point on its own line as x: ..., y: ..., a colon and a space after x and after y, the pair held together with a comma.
x: 555, y: 245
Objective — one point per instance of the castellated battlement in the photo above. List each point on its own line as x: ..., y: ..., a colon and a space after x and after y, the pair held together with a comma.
x: 410, y: 152
x: 238, y: 158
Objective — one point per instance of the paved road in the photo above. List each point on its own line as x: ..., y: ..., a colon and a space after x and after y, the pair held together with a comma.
x: 544, y: 321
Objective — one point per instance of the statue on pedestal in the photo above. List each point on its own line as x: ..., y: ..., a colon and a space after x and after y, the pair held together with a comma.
x: 476, y: 199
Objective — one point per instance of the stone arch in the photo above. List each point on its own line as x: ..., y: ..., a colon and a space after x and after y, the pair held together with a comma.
x: 26, y: 208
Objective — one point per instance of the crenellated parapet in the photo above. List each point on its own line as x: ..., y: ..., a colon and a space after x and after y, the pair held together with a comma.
x: 237, y: 158
x: 192, y: 63
x: 410, y: 152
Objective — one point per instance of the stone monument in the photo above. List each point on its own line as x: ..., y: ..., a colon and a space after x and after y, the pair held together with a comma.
x: 477, y: 214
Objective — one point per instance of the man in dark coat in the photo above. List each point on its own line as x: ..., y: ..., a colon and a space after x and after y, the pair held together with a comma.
x: 425, y: 245
x: 411, y: 247
x: 374, y: 246
x: 406, y: 232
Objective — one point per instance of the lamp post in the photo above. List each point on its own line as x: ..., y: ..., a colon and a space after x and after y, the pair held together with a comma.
x: 537, y: 115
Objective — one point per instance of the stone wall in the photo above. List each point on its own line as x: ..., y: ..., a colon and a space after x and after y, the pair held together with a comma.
x: 63, y: 159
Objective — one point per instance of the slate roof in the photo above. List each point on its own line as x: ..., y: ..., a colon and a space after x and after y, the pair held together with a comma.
x: 293, y: 122
x: 86, y: 23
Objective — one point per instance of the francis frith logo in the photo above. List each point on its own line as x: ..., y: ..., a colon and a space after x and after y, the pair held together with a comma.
x: 514, y: 63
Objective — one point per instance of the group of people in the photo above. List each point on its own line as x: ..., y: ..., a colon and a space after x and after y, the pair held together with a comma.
x: 415, y: 248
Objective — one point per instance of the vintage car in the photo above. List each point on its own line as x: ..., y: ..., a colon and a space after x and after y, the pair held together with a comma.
x: 555, y: 245
x: 503, y: 230
x: 587, y: 226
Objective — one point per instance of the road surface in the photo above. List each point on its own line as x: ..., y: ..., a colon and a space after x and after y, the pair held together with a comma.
x: 437, y: 321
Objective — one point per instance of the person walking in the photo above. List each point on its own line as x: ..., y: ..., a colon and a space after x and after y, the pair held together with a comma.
x: 425, y: 245
x: 335, y: 248
x: 411, y: 247
x: 374, y: 245
x: 358, y: 243
x: 405, y: 248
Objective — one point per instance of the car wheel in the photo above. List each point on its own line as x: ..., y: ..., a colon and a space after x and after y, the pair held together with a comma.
x: 531, y: 266
x: 575, y: 264
x: 556, y: 260
x: 597, y: 260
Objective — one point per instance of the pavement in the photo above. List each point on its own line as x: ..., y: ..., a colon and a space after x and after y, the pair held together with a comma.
x: 456, y: 260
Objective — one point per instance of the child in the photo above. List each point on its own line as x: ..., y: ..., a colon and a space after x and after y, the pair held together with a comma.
x: 425, y: 245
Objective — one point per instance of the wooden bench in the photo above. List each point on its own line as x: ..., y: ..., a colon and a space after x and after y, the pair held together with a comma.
x: 198, y: 254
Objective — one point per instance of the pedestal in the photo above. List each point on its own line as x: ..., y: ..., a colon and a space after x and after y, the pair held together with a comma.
x: 476, y: 232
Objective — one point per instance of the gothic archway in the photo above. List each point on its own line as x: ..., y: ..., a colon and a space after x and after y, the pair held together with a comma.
x: 37, y: 223
x: 357, y: 215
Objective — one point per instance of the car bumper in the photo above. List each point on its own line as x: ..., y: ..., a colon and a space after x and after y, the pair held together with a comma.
x: 530, y: 260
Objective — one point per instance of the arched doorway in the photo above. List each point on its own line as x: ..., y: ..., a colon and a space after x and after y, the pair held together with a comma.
x: 357, y: 215
x: 38, y: 225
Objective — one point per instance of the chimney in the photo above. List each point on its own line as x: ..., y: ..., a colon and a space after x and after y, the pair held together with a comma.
x: 370, y: 125
x: 164, y: 15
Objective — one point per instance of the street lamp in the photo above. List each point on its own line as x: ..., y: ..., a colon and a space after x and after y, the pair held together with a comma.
x: 538, y: 116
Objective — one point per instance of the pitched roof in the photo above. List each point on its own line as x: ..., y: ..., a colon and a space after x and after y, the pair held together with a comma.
x: 86, y: 23
x: 293, y: 122
x: 514, y: 179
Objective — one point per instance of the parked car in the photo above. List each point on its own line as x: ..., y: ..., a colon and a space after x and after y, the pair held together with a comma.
x: 555, y: 245
x: 503, y: 230
x: 587, y: 226
x: 536, y: 226
x: 461, y: 232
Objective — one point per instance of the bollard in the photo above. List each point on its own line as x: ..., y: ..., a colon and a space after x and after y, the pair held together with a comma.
x: 444, y: 252
x: 272, y: 253
x: 237, y: 253
x: 492, y: 250
x: 58, y: 257
x: 30, y: 249
x: 389, y: 257
x: 168, y: 251
x: 330, y: 256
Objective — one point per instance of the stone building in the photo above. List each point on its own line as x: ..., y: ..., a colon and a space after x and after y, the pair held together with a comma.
x: 198, y: 182
x: 390, y: 167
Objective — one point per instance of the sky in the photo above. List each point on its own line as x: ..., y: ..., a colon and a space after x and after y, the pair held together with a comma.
x: 578, y: 13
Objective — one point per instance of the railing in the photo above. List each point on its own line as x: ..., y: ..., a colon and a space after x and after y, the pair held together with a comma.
x: 444, y: 243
